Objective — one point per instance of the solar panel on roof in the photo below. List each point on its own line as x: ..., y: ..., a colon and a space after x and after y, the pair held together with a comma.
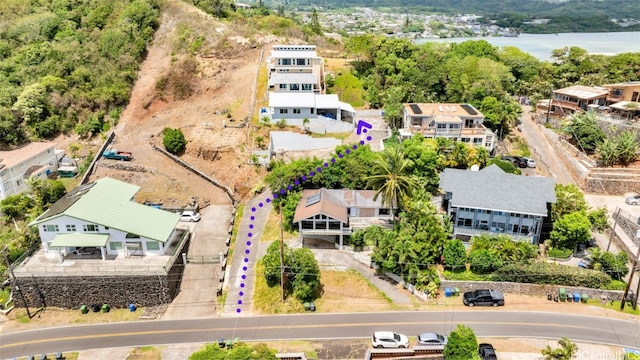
x: 415, y: 108
x: 314, y: 199
x: 469, y: 109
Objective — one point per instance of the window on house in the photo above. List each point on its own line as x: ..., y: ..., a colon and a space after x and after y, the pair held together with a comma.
x: 477, y: 140
x: 307, y: 87
x: 90, y: 227
x: 454, y: 126
x: 465, y: 140
x: 71, y: 228
x: 442, y: 126
x: 283, y: 86
x: 50, y: 228
x: 115, y: 246
x: 294, y: 87
x: 18, y: 182
x: 153, y: 245
x: 384, y: 211
x: 132, y: 236
x: 284, y: 111
x: 285, y: 62
x: 524, y: 229
x: 617, y: 92
x: 296, y: 111
x: 516, y: 228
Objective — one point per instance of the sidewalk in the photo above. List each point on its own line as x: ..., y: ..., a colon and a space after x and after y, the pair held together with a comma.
x: 236, y: 284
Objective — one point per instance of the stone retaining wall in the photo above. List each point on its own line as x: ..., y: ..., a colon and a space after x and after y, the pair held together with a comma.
x: 117, y: 290
x: 527, y: 289
x: 611, y: 184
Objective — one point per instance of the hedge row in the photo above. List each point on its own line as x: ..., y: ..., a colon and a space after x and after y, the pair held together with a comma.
x: 552, y: 274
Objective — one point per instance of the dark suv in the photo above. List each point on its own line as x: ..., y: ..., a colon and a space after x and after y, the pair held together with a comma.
x: 487, y: 352
x: 515, y: 160
x: 483, y: 297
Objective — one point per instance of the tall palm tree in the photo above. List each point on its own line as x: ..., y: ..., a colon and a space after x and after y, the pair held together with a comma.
x: 391, y: 179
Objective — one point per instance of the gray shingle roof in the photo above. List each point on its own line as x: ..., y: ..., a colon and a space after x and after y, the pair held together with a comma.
x: 493, y: 189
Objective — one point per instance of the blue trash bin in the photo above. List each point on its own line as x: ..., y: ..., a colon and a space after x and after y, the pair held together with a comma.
x: 576, y: 297
x: 447, y: 292
x: 132, y: 307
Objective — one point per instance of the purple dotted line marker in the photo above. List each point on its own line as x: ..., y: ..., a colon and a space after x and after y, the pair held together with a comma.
x: 361, y: 127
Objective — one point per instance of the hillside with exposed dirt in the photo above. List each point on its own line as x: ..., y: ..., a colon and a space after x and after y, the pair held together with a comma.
x: 222, y: 90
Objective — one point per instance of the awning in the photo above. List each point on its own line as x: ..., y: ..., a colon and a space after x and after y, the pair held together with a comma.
x: 68, y: 168
x: 627, y: 106
x: 80, y: 240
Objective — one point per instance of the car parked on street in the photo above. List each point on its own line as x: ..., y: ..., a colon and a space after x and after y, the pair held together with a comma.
x: 517, y: 161
x: 190, y: 216
x: 432, y: 339
x: 632, y: 200
x: 389, y: 339
x: 487, y: 352
x: 483, y: 297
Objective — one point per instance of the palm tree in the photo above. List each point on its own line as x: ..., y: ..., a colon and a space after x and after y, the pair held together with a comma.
x: 391, y: 181
x: 566, y: 351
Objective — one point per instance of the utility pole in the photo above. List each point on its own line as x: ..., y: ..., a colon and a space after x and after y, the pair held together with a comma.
x: 282, y: 254
x: 633, y: 271
x: 613, y: 229
x: 15, y: 279
x: 549, y: 106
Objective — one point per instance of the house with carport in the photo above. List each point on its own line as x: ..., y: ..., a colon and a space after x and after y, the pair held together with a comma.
x: 490, y: 201
x: 101, y: 220
x: 332, y: 214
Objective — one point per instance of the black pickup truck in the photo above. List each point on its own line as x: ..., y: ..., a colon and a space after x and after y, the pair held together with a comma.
x: 483, y: 297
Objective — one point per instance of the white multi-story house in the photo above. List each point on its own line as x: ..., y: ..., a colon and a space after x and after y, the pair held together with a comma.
x: 295, y: 68
x: 459, y: 122
x: 491, y: 201
x: 101, y: 219
x: 37, y: 159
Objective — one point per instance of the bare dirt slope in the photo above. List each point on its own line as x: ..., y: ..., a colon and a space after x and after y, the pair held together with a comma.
x: 227, y: 70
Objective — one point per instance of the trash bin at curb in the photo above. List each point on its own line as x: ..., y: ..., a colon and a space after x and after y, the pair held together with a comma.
x: 105, y: 308
x: 132, y: 307
x: 576, y: 297
x: 84, y: 309
x: 562, y: 294
x: 221, y: 343
x: 585, y: 297
x: 447, y: 292
x: 309, y: 306
x: 456, y: 291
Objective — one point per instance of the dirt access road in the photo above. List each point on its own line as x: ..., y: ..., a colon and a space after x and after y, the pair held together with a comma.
x: 225, y: 81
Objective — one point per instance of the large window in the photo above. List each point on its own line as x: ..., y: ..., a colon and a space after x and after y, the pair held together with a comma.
x: 294, y: 87
x: 50, y: 228
x: 90, y: 227
x: 296, y: 111
x: 307, y: 87
x: 284, y: 111
x: 153, y: 245
x: 115, y: 246
x: 283, y: 86
x: 301, y: 62
x: 71, y: 228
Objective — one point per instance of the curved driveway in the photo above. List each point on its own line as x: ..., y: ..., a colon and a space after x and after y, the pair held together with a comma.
x: 486, y: 323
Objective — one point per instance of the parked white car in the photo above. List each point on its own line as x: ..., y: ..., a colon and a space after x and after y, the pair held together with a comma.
x: 190, y: 216
x: 389, y: 339
x: 531, y: 163
x: 632, y: 200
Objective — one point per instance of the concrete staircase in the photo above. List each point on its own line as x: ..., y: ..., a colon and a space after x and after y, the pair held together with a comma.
x: 613, y: 181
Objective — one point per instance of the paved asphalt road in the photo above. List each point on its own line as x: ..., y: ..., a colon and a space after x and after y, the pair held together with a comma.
x: 486, y: 323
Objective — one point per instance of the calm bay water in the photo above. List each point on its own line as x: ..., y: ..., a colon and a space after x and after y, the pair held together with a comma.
x: 541, y: 45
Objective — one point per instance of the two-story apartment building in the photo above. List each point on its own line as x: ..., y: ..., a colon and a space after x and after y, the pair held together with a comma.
x: 331, y: 214
x: 459, y: 122
x: 491, y: 201
x: 36, y: 159
x: 102, y: 218
x: 295, y: 68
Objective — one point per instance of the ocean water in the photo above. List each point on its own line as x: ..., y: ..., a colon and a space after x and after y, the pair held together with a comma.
x: 541, y: 45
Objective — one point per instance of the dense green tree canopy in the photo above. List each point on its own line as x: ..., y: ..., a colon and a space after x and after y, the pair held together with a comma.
x: 462, y: 344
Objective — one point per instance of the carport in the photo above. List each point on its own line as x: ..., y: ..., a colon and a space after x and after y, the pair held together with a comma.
x: 79, y: 240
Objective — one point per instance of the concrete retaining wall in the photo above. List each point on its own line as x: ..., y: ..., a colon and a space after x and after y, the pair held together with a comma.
x: 70, y: 292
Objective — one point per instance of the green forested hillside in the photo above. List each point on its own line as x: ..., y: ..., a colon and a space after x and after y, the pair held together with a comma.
x: 68, y: 64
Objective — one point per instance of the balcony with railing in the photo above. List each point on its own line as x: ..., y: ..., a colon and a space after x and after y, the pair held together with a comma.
x: 470, y: 231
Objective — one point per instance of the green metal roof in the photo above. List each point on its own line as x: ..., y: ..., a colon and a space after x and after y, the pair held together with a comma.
x: 80, y: 239
x: 109, y: 202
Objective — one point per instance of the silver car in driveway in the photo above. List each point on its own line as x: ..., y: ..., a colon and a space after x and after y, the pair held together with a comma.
x: 632, y: 200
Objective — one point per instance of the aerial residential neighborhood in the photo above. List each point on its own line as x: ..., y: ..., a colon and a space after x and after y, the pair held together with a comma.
x: 241, y: 183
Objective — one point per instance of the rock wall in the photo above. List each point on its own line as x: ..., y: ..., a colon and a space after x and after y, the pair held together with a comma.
x: 527, y: 289
x: 117, y: 290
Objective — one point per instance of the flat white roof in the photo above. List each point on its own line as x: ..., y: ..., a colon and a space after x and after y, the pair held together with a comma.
x: 287, y: 78
x: 290, y: 100
x: 290, y: 54
x: 327, y: 101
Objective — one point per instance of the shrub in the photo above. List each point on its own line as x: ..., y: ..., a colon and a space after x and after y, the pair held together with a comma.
x: 455, y: 255
x: 552, y: 274
x: 464, y: 276
x: 281, y: 124
x: 483, y: 261
x: 559, y: 253
x: 173, y: 140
